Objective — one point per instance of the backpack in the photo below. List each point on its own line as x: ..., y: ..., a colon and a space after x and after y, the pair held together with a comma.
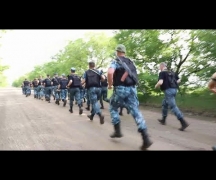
x: 172, y: 79
x: 76, y: 81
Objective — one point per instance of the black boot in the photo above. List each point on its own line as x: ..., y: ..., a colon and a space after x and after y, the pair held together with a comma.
x: 88, y: 107
x: 90, y: 117
x: 184, y: 124
x: 101, y: 118
x: 80, y: 110
x: 65, y: 102
x: 71, y: 110
x: 57, y: 102
x: 146, y: 141
x: 117, y: 131
x: 163, y: 120
x: 120, y: 112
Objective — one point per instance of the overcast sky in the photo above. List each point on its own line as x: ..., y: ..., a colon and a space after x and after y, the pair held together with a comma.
x: 23, y: 49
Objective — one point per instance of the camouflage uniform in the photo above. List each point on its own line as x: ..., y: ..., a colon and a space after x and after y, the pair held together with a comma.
x: 125, y: 95
x: 94, y: 91
x: 170, y: 89
x: 63, y: 87
x: 48, y: 88
x: 75, y: 91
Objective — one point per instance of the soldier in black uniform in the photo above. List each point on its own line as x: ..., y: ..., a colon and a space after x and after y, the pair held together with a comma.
x: 48, y: 88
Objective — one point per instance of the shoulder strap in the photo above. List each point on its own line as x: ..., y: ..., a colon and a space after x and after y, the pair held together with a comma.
x: 94, y: 72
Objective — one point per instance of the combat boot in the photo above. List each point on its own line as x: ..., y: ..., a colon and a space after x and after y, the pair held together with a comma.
x: 88, y: 107
x: 146, y: 140
x: 120, y: 112
x: 117, y: 131
x: 163, y: 120
x: 80, y: 110
x: 57, y: 101
x: 71, y: 110
x: 90, y: 117
x: 184, y: 124
x: 65, y: 102
x: 101, y: 118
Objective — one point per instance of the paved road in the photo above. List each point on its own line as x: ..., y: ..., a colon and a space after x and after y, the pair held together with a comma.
x: 30, y: 124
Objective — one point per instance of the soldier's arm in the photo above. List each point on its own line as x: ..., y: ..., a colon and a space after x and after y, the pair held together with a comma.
x: 110, y: 73
x: 83, y: 79
x: 70, y: 81
x: 160, y: 81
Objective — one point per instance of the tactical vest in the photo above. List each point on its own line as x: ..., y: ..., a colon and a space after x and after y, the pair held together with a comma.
x: 92, y: 79
x: 47, y: 82
x: 120, y: 71
x: 55, y: 81
x: 26, y: 83
x: 63, y: 83
x: 76, y: 81
x: 35, y: 83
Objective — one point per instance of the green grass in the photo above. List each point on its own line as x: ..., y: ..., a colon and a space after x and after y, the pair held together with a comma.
x: 202, y: 102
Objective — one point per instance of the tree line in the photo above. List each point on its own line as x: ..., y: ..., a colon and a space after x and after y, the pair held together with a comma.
x: 190, y: 53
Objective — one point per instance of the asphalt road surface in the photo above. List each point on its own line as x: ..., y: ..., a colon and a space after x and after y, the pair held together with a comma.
x: 31, y: 124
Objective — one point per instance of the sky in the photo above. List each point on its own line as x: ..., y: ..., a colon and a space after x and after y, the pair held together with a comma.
x: 24, y: 49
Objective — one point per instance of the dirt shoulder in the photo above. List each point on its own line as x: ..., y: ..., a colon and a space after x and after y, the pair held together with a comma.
x: 207, y: 116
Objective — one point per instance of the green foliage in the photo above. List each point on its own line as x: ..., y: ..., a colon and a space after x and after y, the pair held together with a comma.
x: 190, y: 53
x: 96, y: 47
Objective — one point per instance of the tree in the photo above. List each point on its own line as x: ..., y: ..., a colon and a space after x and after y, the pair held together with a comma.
x: 77, y: 53
x: 189, y: 53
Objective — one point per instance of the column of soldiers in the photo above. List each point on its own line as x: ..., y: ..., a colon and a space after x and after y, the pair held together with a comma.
x: 92, y: 88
